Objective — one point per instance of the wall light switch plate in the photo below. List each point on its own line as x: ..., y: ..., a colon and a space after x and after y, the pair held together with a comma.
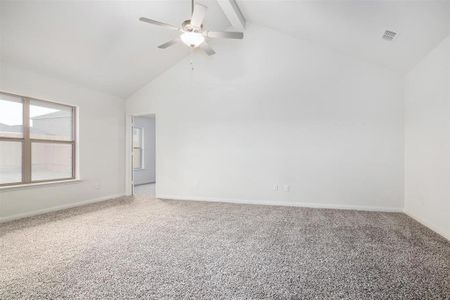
x: 287, y: 188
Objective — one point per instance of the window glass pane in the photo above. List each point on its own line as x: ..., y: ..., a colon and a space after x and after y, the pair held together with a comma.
x: 137, y: 134
x: 11, y: 116
x: 51, y: 161
x: 137, y: 162
x: 50, y: 121
x: 10, y: 162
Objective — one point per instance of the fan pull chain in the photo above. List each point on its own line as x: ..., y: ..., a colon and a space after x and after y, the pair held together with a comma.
x: 191, y: 61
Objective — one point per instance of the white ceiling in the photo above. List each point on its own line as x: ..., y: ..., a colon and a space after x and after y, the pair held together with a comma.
x: 102, y: 45
x: 98, y: 44
x: 355, y: 27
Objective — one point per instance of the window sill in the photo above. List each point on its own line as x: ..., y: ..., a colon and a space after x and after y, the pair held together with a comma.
x: 29, y: 185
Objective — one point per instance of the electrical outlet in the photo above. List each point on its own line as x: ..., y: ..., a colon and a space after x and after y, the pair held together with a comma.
x: 97, y: 186
x: 275, y: 187
x: 287, y: 188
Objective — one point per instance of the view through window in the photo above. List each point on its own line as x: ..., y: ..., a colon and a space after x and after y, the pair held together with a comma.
x: 138, y: 145
x: 37, y: 140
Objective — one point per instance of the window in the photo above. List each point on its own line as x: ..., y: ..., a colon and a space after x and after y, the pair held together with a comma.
x: 37, y: 140
x: 138, y: 148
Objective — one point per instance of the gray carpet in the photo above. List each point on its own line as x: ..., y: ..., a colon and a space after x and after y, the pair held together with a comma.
x: 153, y: 249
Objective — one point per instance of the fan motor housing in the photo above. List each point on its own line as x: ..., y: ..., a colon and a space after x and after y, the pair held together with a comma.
x: 187, y: 27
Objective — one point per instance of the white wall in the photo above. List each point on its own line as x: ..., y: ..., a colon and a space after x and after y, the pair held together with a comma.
x: 427, y: 187
x: 271, y: 109
x: 147, y: 173
x: 101, y: 130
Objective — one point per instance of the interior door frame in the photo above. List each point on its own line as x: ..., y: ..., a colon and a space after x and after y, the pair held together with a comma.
x: 129, y: 174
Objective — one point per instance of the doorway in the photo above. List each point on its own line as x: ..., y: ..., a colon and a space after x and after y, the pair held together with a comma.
x: 143, y: 155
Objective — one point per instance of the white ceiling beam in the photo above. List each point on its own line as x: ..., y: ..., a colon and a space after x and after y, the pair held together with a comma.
x: 233, y: 13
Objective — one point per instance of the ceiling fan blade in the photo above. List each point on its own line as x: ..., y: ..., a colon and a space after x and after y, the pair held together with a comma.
x: 208, y: 50
x: 169, y: 43
x: 158, y: 23
x: 198, y: 15
x: 225, y: 35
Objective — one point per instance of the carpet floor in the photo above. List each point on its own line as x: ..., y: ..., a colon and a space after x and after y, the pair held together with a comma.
x: 154, y: 249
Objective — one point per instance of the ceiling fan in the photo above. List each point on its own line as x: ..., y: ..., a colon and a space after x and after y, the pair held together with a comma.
x: 192, y: 32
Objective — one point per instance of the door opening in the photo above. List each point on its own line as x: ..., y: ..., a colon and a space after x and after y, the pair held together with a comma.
x: 143, y: 155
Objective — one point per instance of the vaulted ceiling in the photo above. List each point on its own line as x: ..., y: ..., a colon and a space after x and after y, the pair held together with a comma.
x: 98, y: 44
x: 355, y: 27
x: 102, y: 45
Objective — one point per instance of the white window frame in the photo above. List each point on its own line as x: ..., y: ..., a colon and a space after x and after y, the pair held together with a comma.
x: 27, y: 143
x: 141, y: 148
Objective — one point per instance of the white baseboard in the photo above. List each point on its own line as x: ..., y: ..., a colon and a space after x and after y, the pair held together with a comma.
x: 285, y: 203
x: 427, y: 224
x: 56, y: 208
x: 145, y: 183
x: 237, y: 201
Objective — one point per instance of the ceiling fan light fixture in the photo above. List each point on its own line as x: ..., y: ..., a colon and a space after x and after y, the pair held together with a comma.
x: 192, y: 39
x: 192, y: 32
